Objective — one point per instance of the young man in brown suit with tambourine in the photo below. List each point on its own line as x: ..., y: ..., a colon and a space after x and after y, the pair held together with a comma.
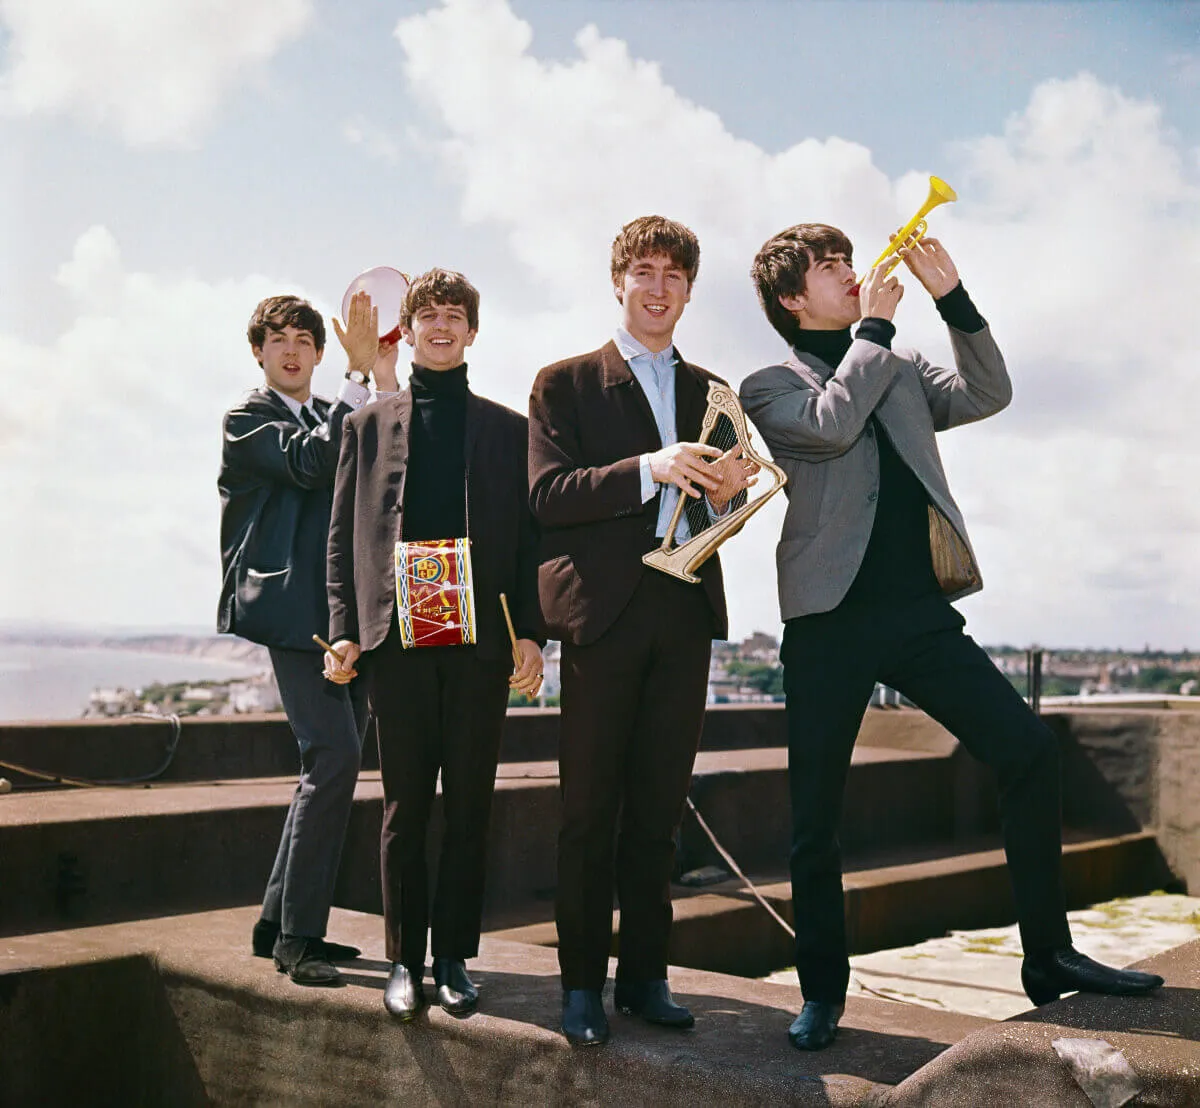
x: 422, y: 471
x: 611, y: 445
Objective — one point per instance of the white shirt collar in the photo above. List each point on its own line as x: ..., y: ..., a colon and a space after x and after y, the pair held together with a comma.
x: 629, y: 347
x: 295, y: 405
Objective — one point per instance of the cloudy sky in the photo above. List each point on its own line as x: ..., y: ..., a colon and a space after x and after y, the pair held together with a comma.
x: 164, y: 166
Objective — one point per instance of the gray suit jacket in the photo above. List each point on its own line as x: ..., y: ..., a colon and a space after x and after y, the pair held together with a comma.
x: 814, y: 420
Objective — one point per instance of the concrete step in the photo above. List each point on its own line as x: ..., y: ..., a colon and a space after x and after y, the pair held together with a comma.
x: 177, y: 1011
x: 215, y: 748
x: 723, y: 928
x: 99, y: 855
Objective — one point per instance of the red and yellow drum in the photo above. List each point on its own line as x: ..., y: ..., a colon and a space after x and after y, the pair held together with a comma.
x: 435, y: 598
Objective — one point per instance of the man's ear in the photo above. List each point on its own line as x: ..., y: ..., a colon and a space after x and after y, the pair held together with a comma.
x: 320, y: 355
x: 619, y: 292
x: 793, y: 302
x: 470, y: 338
x: 408, y: 336
x: 257, y: 352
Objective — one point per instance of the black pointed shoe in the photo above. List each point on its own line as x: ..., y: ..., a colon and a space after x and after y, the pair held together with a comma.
x: 816, y: 1025
x: 583, y: 1020
x: 652, y: 1001
x: 1046, y: 977
x: 456, y: 992
x: 404, y: 995
x: 266, y: 931
x: 304, y: 961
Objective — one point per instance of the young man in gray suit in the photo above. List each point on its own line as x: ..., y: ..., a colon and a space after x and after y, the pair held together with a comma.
x: 873, y: 550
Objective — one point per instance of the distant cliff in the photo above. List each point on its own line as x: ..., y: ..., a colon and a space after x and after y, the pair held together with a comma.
x: 215, y: 648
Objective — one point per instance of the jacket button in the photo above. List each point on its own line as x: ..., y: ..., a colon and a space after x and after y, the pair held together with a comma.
x: 873, y: 496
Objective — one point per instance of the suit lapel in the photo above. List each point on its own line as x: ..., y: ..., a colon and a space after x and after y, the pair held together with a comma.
x: 617, y: 376
x: 398, y: 447
x: 691, y: 400
x: 276, y: 404
x: 471, y: 428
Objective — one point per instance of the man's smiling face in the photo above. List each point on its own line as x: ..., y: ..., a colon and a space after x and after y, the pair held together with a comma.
x: 653, y: 292
x: 288, y: 357
x: 439, y: 335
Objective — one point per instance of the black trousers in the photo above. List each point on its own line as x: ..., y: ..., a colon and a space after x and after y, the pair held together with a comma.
x: 438, y: 709
x: 831, y: 663
x: 632, y: 711
x: 329, y: 722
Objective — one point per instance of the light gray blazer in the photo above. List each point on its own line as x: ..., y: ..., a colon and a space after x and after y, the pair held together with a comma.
x: 814, y: 420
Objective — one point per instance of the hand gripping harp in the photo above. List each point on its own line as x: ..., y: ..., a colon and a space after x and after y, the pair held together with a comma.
x: 725, y: 422
x: 914, y: 230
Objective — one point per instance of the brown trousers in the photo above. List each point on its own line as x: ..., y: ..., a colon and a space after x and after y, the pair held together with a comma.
x: 632, y: 711
x: 438, y: 708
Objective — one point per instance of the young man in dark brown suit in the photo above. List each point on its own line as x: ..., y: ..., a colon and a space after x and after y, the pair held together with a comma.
x: 434, y: 462
x: 611, y: 446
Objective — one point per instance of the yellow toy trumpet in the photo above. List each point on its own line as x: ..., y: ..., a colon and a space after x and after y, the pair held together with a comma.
x: 914, y: 230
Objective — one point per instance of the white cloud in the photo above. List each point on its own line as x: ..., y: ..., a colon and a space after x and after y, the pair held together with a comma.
x: 153, y: 70
x: 115, y: 430
x: 1078, y: 232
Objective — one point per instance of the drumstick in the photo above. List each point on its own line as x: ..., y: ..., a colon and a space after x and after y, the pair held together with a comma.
x: 329, y: 649
x: 512, y: 634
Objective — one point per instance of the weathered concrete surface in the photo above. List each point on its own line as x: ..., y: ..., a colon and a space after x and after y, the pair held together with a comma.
x: 1125, y: 768
x: 723, y: 928
x: 1014, y: 1063
x: 978, y: 972
x: 211, y: 748
x: 98, y: 855
x: 250, y: 1036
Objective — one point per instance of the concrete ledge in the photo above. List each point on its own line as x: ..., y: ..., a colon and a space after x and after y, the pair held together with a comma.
x: 250, y: 1036
x: 226, y: 747
x: 1159, y: 1035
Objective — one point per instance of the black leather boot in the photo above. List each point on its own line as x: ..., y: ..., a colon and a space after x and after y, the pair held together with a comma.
x: 404, y: 995
x: 456, y: 992
x: 816, y: 1025
x: 583, y: 1020
x: 652, y: 1001
x: 1045, y: 977
x: 266, y: 931
x: 304, y: 961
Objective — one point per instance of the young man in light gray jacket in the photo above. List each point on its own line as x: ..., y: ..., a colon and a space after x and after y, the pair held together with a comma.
x: 873, y: 550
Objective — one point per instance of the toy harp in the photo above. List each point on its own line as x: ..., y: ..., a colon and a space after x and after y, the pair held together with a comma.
x: 724, y: 427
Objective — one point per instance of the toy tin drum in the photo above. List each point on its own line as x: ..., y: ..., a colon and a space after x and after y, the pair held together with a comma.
x: 435, y: 600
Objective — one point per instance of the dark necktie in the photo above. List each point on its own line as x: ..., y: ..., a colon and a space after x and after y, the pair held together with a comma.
x: 308, y: 419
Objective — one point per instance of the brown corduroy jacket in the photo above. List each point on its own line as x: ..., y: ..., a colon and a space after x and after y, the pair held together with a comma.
x: 589, y: 423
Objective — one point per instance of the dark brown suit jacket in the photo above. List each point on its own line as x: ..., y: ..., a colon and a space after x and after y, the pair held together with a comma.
x: 589, y: 422
x: 367, y: 521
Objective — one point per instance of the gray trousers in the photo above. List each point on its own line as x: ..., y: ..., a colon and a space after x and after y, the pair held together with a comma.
x: 329, y: 722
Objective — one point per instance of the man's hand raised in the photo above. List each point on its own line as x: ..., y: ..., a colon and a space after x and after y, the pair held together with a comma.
x: 931, y: 265
x: 360, y: 338
x: 683, y: 464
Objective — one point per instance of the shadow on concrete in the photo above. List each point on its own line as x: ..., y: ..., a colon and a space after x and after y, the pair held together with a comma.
x: 725, y: 1027
x: 101, y: 1033
x: 1170, y: 1011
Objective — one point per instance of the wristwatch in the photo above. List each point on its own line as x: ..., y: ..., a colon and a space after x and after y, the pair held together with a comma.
x: 357, y: 376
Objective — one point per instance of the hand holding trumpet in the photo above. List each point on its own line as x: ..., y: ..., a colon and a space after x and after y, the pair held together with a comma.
x: 931, y: 265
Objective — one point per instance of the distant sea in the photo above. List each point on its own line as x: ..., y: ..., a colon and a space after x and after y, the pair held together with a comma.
x: 54, y: 682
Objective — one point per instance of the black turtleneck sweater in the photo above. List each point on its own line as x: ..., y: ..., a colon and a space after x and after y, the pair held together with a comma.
x: 897, y: 564
x: 435, y: 489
